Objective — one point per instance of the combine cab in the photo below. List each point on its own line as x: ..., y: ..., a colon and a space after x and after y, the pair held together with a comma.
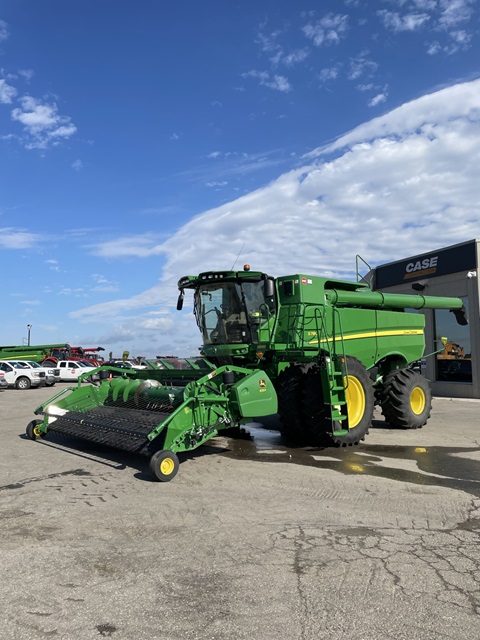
x: 320, y: 351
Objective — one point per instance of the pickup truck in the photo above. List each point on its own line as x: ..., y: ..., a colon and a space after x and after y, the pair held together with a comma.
x: 51, y: 375
x: 21, y: 377
x: 71, y: 369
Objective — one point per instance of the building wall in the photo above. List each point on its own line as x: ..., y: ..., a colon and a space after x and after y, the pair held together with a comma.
x: 462, y: 284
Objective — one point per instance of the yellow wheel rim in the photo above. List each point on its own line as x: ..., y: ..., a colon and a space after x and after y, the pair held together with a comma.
x: 36, y: 432
x: 167, y: 466
x: 417, y: 400
x: 355, y: 401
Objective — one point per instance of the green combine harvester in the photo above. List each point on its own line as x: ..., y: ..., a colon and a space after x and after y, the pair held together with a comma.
x: 320, y: 352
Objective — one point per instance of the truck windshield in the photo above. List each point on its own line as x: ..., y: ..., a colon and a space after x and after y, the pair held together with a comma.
x: 232, y: 313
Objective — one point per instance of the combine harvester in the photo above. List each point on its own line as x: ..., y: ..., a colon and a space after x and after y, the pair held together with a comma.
x: 319, y: 351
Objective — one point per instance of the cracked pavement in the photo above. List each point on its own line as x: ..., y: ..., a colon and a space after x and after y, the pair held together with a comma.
x: 251, y: 539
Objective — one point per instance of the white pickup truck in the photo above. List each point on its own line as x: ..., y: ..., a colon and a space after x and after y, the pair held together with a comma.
x: 71, y: 369
x: 21, y: 377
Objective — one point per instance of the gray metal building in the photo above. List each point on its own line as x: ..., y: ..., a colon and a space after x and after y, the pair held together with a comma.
x: 454, y: 370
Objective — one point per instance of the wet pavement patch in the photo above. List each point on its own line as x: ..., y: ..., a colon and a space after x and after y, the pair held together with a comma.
x: 427, y: 466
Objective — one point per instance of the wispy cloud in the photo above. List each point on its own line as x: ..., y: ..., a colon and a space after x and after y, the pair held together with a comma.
x: 140, y: 246
x: 272, y: 81
x: 450, y: 19
x: 378, y: 99
x: 406, y: 22
x: 331, y: 29
x: 42, y: 123
x: 4, y: 33
x: 103, y: 284
x: 361, y: 66
x: 11, y: 238
x: 7, y: 92
x: 52, y: 264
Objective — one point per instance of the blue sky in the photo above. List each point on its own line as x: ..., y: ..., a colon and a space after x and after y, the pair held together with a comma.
x: 143, y: 141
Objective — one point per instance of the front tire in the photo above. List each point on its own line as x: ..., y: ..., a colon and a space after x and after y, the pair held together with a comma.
x: 360, y: 404
x: 32, y: 431
x: 23, y: 383
x: 406, y: 399
x: 290, y: 392
x: 164, y: 465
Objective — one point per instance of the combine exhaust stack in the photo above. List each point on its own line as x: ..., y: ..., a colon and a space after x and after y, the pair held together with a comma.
x: 145, y: 416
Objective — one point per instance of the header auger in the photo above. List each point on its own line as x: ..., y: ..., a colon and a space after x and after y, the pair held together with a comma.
x: 319, y: 351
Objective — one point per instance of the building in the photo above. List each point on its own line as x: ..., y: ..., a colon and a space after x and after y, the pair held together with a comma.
x: 454, y: 367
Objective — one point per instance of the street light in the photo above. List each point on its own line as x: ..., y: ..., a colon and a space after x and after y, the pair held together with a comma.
x: 29, y: 326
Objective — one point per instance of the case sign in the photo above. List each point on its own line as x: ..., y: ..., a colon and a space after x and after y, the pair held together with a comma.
x: 430, y: 265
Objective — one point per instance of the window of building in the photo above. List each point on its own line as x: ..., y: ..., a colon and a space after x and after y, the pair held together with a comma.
x: 454, y: 361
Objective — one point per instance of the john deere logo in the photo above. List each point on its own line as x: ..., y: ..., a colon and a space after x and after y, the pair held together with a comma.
x: 262, y: 384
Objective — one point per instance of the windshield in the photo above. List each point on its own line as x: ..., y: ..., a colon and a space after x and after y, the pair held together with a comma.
x: 232, y: 313
x: 33, y: 364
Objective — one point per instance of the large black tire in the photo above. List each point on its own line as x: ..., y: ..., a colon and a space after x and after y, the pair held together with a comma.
x: 360, y: 405
x: 406, y: 399
x: 289, y: 389
x: 164, y: 465
x: 48, y: 363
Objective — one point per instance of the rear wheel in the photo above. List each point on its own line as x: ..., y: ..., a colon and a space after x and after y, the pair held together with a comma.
x: 164, y: 465
x: 23, y: 383
x: 406, y: 399
x: 360, y: 404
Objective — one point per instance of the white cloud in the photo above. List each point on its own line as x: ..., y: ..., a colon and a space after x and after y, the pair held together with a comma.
x: 276, y: 82
x: 378, y: 99
x: 459, y: 101
x: 3, y: 30
x: 214, y: 183
x: 361, y: 66
x: 330, y: 29
x: 27, y: 74
x: 7, y: 92
x: 52, y: 264
x: 329, y: 73
x: 77, y: 165
x: 142, y: 246
x: 454, y: 12
x: 295, y: 57
x: 407, y: 22
x: 17, y: 238
x: 103, y: 284
x: 42, y: 123
x: 449, y: 20
x: 400, y: 184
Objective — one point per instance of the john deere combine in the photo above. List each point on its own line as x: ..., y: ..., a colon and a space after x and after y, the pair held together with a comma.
x: 318, y: 350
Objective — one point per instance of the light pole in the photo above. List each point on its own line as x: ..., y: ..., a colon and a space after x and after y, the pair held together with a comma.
x: 29, y: 326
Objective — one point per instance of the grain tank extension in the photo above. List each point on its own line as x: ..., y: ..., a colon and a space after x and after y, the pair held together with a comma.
x: 319, y: 351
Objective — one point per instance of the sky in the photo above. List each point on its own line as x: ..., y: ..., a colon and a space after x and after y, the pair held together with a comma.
x: 144, y: 141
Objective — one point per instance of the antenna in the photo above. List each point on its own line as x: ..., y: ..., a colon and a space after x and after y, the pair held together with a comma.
x: 243, y: 245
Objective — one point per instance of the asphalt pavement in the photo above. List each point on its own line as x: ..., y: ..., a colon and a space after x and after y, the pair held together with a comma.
x: 252, y: 539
